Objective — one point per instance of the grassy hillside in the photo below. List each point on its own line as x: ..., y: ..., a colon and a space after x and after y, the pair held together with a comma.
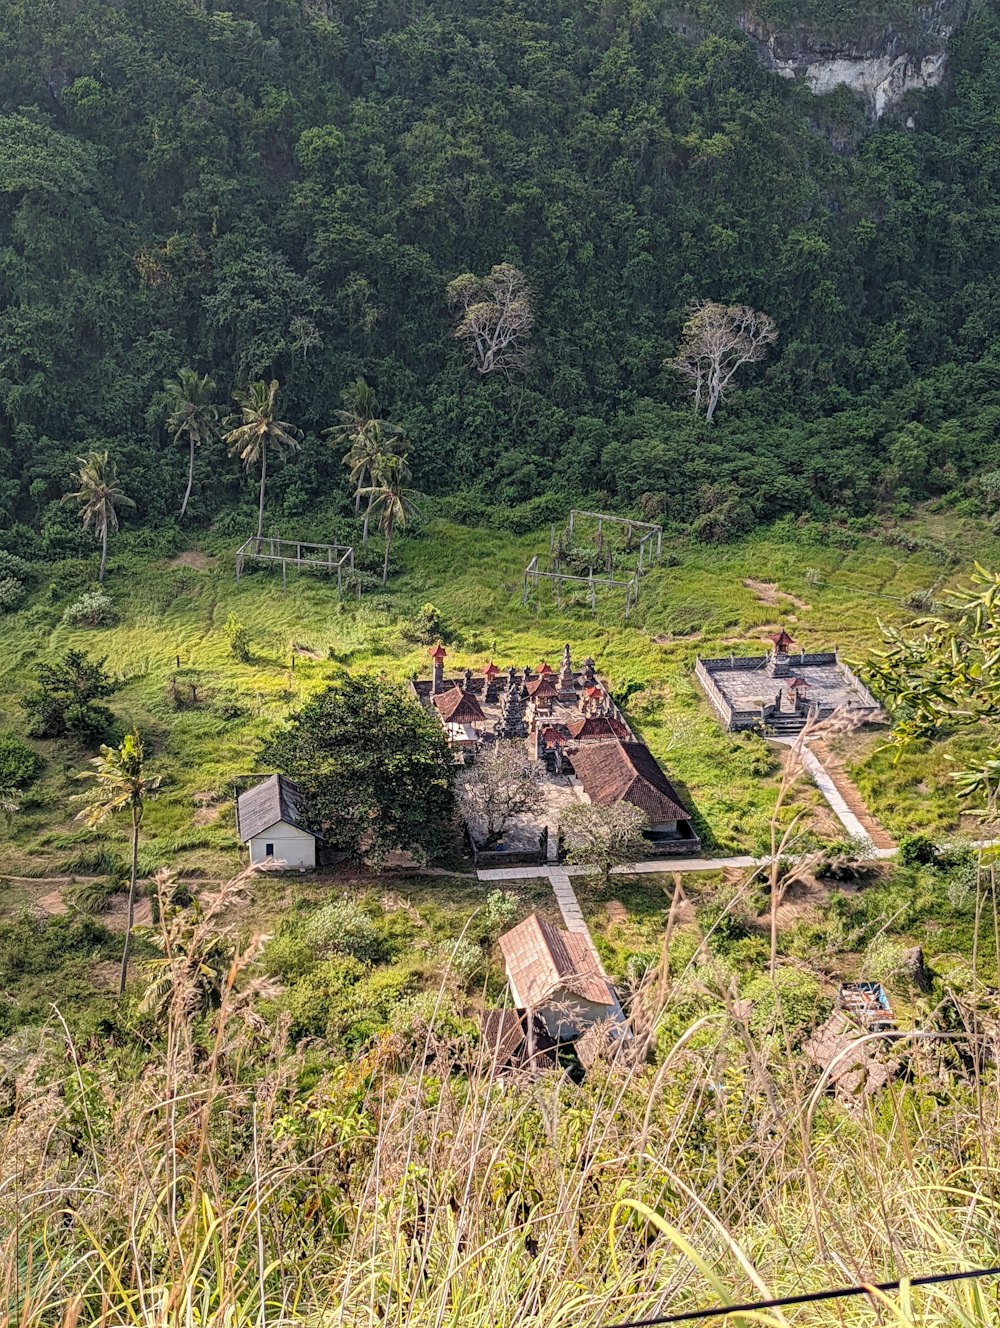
x: 828, y: 587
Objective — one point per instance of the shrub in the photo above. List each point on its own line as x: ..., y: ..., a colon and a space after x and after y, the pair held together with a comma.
x: 500, y: 911
x: 288, y: 957
x: 13, y: 566
x: 95, y: 608
x: 916, y: 851
x: 343, y: 927
x: 20, y: 765
x: 792, y: 1003
x: 12, y: 594
x: 64, y: 700
x: 239, y: 639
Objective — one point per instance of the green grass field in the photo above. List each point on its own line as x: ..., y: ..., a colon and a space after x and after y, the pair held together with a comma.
x: 171, y: 639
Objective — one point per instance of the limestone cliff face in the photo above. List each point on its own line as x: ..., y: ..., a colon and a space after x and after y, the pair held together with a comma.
x: 880, y: 66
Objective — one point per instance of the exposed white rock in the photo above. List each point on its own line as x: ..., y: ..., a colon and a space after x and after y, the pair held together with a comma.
x: 881, y: 69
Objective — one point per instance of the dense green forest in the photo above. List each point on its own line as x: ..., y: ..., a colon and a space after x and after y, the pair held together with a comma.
x: 285, y: 188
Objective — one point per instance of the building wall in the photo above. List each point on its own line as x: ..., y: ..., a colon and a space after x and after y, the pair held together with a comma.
x: 291, y: 845
x: 566, y: 1015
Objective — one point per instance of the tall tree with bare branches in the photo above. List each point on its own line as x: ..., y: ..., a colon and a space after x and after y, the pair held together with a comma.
x: 494, y: 318
x: 718, y: 340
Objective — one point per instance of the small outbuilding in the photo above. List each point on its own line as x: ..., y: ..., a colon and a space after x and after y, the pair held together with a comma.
x: 555, y: 974
x: 269, y: 821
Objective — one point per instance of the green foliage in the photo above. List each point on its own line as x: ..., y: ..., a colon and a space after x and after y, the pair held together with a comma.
x: 376, y: 769
x: 787, y: 1008
x: 95, y: 608
x: 20, y: 765
x: 343, y: 927
x: 64, y: 701
x: 268, y: 191
x: 42, y: 959
x: 239, y: 639
x: 12, y: 593
x: 916, y: 851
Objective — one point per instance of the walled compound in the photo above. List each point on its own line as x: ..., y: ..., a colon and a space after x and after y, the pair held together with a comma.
x: 571, y: 725
x: 782, y: 690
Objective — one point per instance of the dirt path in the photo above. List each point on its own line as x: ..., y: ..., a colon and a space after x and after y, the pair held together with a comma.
x: 768, y: 593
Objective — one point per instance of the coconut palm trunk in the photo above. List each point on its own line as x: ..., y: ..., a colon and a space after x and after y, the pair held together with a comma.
x: 368, y: 513
x: 104, y: 552
x: 130, y: 917
x: 187, y: 491
x: 260, y: 506
x: 388, y: 546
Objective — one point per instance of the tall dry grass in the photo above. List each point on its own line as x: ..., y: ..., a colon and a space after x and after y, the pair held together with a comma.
x: 223, y: 1177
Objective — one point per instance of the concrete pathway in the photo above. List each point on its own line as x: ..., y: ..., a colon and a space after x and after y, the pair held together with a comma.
x: 569, y: 905
x: 824, y: 782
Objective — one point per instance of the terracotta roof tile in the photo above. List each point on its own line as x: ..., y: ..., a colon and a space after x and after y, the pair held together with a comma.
x: 541, y: 959
x: 613, y: 772
x: 599, y: 726
x: 458, y: 707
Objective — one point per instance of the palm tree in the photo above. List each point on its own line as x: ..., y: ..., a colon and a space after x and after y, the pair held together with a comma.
x: 121, y: 783
x: 390, y: 499
x: 258, y: 427
x: 193, y: 415
x: 371, y: 448
x: 99, y: 498
x: 356, y: 424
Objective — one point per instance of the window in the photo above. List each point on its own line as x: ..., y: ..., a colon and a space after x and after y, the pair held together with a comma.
x: 268, y: 850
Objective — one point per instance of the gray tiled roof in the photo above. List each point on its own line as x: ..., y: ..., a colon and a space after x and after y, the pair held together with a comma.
x: 274, y: 799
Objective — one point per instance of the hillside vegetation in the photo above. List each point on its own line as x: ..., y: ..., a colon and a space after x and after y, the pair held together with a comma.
x: 287, y: 189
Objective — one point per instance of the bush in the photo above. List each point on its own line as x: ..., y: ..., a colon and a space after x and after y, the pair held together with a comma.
x: 916, y: 851
x: 343, y: 927
x: 20, y: 765
x: 13, y: 566
x: 64, y: 701
x: 95, y: 608
x: 239, y: 639
x: 500, y: 911
x: 12, y: 594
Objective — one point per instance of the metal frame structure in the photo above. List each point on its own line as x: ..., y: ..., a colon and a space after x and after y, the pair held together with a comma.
x: 321, y: 557
x: 652, y: 530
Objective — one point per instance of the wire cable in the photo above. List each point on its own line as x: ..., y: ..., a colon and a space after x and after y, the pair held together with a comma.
x: 808, y: 1298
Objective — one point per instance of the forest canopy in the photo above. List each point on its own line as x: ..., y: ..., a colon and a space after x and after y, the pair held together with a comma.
x: 287, y: 190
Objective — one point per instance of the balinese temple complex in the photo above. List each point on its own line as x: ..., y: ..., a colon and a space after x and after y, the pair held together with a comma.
x: 570, y: 722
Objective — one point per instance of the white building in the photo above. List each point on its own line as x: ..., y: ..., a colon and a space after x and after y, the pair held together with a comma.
x: 267, y: 818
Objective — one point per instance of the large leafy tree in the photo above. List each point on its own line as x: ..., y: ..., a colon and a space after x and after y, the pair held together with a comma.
x: 257, y: 428
x: 376, y: 769
x: 99, y: 497
x: 193, y: 416
x: 121, y: 783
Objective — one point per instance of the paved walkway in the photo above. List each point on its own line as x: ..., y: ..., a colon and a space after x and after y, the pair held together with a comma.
x: 855, y: 829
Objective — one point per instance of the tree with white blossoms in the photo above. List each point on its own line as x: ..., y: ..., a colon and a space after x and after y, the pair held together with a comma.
x: 502, y: 783
x: 602, y: 838
x: 494, y: 318
x: 718, y: 340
